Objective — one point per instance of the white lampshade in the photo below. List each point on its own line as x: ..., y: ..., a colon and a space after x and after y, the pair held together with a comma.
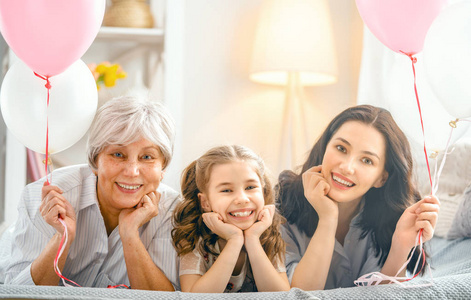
x: 294, y: 36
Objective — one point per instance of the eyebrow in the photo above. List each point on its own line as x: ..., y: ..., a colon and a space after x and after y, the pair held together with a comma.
x: 125, y: 146
x: 222, y: 184
x: 230, y: 183
x: 366, y: 152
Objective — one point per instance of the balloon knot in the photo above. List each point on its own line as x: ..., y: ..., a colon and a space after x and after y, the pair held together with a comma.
x: 453, y: 123
x: 412, y: 58
x: 48, y: 85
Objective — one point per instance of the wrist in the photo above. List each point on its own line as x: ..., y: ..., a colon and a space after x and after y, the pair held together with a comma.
x: 328, y: 221
x: 251, y: 238
x: 128, y: 234
x: 398, y: 249
x: 236, y: 241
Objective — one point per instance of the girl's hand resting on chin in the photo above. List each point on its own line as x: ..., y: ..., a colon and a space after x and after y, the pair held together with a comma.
x: 215, y: 223
x: 264, y: 220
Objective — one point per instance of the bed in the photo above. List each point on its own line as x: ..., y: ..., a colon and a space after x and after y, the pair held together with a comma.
x: 451, y: 272
x: 450, y: 257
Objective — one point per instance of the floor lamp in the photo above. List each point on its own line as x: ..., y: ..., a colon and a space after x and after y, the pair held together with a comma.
x: 294, y: 47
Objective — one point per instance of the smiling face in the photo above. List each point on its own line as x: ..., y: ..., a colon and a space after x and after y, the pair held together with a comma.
x: 354, y: 161
x: 127, y: 173
x: 235, y: 192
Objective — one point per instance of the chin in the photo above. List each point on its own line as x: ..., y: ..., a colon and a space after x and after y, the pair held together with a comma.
x: 243, y: 227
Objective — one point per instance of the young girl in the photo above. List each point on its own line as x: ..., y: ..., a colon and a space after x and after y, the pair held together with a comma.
x: 228, y: 214
x: 350, y: 211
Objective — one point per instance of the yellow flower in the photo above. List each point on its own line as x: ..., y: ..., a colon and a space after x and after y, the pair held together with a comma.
x: 107, y: 73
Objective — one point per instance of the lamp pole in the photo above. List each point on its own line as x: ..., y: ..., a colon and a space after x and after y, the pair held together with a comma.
x: 293, y: 142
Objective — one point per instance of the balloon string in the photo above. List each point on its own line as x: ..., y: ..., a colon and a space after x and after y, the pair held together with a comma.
x: 414, y: 60
x: 48, y: 87
x: 60, y: 250
x: 62, y: 245
x: 376, y: 278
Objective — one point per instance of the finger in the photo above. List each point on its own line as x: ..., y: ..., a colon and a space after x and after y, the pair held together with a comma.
x: 322, y: 188
x: 52, y: 199
x: 271, y: 209
x: 427, y: 207
x: 50, y: 204
x: 428, y: 216
x: 428, y: 229
x: 263, y: 214
x: 48, y: 188
x: 157, y: 198
x: 415, y: 206
x: 432, y: 199
x: 61, y: 212
x: 315, y: 169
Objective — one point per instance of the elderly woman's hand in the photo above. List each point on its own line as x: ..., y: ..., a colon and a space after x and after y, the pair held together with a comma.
x: 54, y: 206
x: 131, y: 219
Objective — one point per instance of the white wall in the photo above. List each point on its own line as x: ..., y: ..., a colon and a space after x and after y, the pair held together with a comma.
x: 221, y: 104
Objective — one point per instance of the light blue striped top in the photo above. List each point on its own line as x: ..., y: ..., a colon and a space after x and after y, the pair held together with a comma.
x: 95, y: 259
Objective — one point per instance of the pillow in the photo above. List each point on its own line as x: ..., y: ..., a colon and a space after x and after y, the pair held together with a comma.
x: 461, y: 225
x: 455, y: 177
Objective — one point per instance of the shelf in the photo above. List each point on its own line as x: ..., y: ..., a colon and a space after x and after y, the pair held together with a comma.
x: 151, y: 36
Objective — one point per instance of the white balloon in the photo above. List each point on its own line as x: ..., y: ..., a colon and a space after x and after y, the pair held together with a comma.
x: 447, y: 58
x: 404, y: 109
x: 72, y: 106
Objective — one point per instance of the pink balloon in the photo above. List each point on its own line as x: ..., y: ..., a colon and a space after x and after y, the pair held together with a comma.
x: 50, y: 35
x: 401, y: 25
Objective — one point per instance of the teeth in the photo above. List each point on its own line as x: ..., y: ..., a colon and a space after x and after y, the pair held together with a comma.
x: 344, y: 182
x: 242, y: 213
x: 129, y: 187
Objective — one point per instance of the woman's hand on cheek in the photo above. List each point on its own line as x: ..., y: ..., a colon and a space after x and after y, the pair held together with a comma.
x: 316, y: 189
x: 215, y: 223
x: 421, y: 215
x: 131, y: 219
x: 54, y: 206
x: 264, y: 220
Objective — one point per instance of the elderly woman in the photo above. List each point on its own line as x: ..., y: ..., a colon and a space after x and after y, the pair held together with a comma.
x: 116, y: 210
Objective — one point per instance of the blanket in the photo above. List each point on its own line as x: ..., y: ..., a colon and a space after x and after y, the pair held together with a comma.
x: 451, y: 272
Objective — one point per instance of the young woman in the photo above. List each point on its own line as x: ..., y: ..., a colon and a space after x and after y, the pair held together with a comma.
x: 228, y: 213
x: 351, y: 210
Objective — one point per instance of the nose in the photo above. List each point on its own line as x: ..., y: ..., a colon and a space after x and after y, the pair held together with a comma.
x: 348, y: 166
x: 131, y: 168
x: 241, y: 197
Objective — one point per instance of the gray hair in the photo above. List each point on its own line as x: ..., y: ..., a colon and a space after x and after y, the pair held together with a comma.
x: 125, y: 120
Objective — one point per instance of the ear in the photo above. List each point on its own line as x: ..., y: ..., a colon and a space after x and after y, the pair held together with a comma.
x: 162, y: 173
x: 382, y: 180
x: 204, y: 202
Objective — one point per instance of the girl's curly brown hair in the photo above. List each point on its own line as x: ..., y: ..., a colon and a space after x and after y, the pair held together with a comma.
x: 187, y: 217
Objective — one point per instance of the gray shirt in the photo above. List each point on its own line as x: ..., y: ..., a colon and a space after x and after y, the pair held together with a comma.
x: 350, y: 261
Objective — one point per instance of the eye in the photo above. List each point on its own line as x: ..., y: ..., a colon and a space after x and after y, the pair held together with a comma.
x: 146, y: 157
x: 341, y: 148
x: 118, y: 155
x: 367, y: 161
x: 251, y: 187
x: 226, y: 191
